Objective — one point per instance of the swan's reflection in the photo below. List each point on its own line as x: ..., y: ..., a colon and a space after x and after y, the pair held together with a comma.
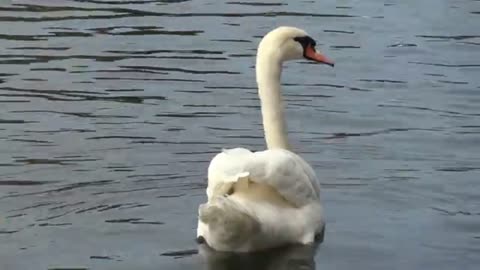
x: 286, y: 258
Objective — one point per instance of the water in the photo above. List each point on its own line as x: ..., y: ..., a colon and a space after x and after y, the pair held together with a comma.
x: 111, y: 110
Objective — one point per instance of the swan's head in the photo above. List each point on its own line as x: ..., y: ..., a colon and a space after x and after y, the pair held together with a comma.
x: 289, y: 43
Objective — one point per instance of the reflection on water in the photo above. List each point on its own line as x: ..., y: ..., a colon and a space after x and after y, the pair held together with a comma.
x: 110, y: 111
x: 287, y: 258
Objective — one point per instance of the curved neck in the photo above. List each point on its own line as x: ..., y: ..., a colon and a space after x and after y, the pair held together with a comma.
x: 268, y: 71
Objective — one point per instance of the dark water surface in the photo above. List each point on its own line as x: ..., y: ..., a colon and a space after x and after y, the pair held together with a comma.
x: 111, y: 110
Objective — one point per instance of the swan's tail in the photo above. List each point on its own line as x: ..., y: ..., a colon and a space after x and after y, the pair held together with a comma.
x: 225, y: 224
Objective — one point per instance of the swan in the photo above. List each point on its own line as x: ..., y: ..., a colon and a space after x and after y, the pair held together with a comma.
x: 266, y: 199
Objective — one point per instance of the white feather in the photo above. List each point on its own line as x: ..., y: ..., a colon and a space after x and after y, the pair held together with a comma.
x: 281, y: 169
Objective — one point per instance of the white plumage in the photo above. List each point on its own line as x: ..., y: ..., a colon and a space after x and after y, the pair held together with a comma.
x: 281, y: 169
x: 259, y: 200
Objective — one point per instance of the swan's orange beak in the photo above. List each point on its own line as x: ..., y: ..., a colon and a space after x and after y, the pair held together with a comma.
x: 311, y: 54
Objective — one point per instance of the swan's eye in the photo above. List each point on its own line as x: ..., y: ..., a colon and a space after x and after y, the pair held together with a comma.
x: 309, y: 52
x: 305, y: 41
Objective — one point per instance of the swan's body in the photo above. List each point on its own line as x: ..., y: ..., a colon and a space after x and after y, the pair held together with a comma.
x: 259, y: 200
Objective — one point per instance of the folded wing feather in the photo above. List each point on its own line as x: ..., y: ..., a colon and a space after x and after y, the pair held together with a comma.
x: 281, y: 169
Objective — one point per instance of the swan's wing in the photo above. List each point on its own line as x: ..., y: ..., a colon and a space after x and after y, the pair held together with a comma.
x: 225, y: 169
x: 288, y: 173
x: 281, y: 169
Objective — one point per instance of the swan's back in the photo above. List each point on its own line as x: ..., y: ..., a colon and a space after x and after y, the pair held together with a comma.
x: 272, y: 173
x: 259, y: 200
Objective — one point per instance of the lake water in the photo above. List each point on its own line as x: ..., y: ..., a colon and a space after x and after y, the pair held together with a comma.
x: 111, y: 110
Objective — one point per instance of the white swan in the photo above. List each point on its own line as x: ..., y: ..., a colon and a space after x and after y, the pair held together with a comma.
x: 270, y: 198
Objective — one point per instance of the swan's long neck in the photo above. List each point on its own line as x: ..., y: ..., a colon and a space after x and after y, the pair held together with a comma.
x: 269, y: 70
